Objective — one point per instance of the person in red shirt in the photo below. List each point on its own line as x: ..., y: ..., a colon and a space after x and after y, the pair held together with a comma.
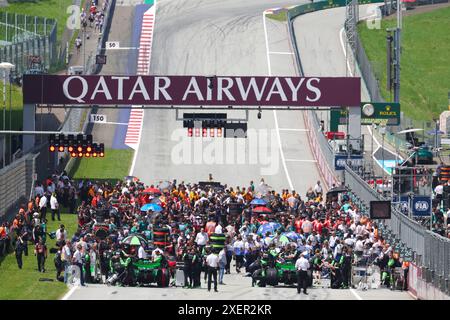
x: 318, y: 227
x: 298, y: 224
x: 40, y: 251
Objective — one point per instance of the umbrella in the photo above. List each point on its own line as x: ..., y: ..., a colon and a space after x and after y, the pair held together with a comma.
x: 151, y: 190
x: 151, y: 206
x: 284, y: 240
x: 260, y: 202
x: 291, y: 235
x: 134, y: 240
x: 268, y: 227
x: 261, y: 209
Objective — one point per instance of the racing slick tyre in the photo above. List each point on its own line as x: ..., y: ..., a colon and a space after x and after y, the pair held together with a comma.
x: 290, y: 278
x: 253, y: 267
x: 161, y: 236
x: 272, y: 277
x: 163, y: 278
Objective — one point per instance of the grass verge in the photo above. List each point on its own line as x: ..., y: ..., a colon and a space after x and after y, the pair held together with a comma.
x: 55, y: 9
x: 114, y: 166
x: 425, y: 72
x: 16, y: 113
x: 24, y: 284
x: 281, y: 16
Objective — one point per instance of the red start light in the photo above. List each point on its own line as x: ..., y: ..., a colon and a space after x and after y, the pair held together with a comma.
x: 52, y: 148
x: 211, y: 132
x: 205, y: 132
x: 70, y: 149
x: 197, y: 132
x: 80, y: 155
x: 87, y: 154
x: 102, y: 154
x: 73, y: 155
x: 80, y: 149
x: 189, y: 132
x: 94, y: 155
x: 61, y: 148
x: 89, y: 149
x: 219, y: 132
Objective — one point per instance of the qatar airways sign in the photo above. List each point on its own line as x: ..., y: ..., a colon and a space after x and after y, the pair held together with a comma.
x: 191, y: 90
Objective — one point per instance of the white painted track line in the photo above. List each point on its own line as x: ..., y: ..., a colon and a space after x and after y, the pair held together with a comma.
x: 68, y: 294
x: 283, y: 160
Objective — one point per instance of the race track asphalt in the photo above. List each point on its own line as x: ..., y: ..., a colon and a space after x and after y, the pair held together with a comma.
x: 237, y: 287
x: 224, y: 38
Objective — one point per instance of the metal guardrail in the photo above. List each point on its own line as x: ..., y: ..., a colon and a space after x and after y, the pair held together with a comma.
x: 431, y: 251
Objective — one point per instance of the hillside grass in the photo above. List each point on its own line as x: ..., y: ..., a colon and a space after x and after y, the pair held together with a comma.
x: 425, y: 62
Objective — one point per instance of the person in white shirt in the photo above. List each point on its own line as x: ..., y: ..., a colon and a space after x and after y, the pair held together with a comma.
x: 83, y: 245
x: 78, y: 261
x: 54, y: 206
x: 332, y: 240
x: 218, y: 228
x: 201, y: 239
x: 141, y: 253
x: 66, y: 258
x: 212, y: 263
x: 43, y: 207
x: 318, y: 189
x: 222, y: 264
x: 360, y: 229
x: 61, y: 234
x: 302, y: 266
x: 337, y: 249
x: 359, y: 246
x: 238, y: 251
x: 230, y: 230
x: 349, y: 241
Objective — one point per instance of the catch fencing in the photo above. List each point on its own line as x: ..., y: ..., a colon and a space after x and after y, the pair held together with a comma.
x: 16, y: 182
x: 431, y: 251
x: 23, y: 36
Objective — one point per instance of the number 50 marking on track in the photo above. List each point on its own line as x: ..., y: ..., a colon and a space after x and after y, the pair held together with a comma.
x: 112, y: 45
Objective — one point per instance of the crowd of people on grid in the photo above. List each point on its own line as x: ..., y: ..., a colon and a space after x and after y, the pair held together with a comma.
x: 330, y: 234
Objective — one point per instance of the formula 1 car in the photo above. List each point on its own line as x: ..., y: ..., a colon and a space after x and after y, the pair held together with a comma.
x: 147, y: 272
x: 138, y: 272
x: 284, y: 272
